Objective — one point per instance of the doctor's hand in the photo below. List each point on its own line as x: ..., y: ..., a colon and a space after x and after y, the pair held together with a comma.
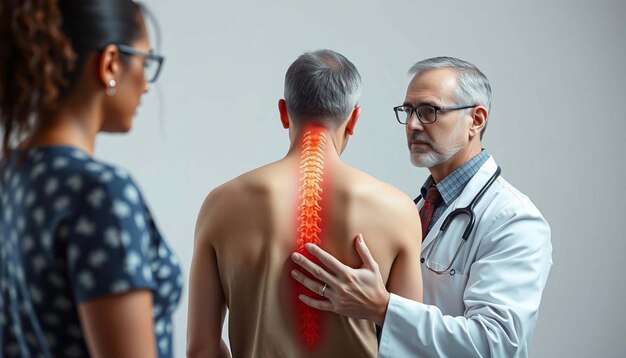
x: 358, y: 293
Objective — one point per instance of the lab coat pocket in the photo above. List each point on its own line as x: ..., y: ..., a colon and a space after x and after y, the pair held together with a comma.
x: 445, y: 291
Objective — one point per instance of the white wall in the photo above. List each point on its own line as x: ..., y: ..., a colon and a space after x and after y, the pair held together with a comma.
x: 557, y: 70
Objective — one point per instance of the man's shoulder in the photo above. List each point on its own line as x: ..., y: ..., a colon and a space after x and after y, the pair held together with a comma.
x: 245, y: 189
x: 377, y: 192
x: 219, y: 208
x: 381, y: 202
x: 225, y: 193
x: 374, y: 206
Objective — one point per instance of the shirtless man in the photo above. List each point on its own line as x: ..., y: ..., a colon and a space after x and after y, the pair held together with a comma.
x: 248, y: 227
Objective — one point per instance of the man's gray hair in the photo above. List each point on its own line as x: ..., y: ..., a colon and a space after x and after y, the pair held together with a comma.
x: 322, y: 85
x: 474, y: 87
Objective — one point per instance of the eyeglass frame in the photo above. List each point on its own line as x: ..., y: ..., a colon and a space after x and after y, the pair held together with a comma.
x: 436, y: 108
x: 129, y: 50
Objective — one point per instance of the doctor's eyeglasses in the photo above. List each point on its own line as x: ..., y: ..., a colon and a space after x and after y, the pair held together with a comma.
x: 426, y: 113
x: 152, y: 65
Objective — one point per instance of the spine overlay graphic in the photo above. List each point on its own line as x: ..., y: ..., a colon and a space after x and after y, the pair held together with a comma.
x: 309, y: 221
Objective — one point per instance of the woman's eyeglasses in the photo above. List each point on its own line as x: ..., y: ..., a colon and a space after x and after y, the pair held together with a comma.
x: 152, y: 65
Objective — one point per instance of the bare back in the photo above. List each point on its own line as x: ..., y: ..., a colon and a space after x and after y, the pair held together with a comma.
x: 253, y: 228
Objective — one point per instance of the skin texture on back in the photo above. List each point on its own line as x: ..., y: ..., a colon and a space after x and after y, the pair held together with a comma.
x: 246, y: 232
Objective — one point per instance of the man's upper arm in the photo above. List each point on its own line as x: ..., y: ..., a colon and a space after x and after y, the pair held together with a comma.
x: 206, y: 299
x: 405, y: 278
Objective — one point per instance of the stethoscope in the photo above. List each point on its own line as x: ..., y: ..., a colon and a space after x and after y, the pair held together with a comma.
x: 469, y: 211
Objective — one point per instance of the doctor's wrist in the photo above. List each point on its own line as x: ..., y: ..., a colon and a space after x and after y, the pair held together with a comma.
x: 380, y: 310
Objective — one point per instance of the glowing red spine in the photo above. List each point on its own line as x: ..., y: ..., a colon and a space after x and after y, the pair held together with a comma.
x: 309, y: 220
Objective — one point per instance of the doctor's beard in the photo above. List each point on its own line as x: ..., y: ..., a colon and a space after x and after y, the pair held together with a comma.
x: 436, y: 154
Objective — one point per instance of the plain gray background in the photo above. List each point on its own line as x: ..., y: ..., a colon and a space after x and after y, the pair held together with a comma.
x: 556, y: 126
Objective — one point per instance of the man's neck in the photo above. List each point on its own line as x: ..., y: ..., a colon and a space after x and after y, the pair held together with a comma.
x: 325, y: 135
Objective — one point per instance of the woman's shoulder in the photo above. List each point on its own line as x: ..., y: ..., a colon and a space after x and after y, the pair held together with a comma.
x: 71, y: 170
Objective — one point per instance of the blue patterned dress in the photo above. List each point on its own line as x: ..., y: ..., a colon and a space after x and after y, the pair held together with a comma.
x: 73, y: 229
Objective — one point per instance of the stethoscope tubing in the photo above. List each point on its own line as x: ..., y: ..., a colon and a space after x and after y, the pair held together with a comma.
x: 469, y: 211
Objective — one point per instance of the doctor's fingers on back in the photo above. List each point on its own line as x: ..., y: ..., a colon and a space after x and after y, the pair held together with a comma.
x: 314, y: 286
x: 328, y: 260
x: 313, y: 268
x: 320, y: 305
x: 364, y: 253
x: 317, y: 272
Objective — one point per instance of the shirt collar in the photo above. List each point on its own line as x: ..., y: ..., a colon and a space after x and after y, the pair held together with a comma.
x: 451, y: 186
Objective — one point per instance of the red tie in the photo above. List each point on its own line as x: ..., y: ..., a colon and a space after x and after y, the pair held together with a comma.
x: 433, y: 198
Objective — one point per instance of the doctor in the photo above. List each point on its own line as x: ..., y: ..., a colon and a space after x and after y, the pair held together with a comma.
x: 485, y: 270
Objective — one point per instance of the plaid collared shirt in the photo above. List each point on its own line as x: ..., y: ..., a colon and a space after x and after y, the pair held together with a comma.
x: 452, y: 185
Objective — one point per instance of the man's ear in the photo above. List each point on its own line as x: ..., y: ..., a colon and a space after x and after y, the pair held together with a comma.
x: 354, y: 117
x: 479, y: 120
x: 284, y: 115
x: 109, y: 65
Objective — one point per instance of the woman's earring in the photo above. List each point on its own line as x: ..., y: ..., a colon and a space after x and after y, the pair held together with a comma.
x: 111, y: 89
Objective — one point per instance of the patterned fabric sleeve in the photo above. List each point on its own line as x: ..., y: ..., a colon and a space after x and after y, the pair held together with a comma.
x: 108, y: 240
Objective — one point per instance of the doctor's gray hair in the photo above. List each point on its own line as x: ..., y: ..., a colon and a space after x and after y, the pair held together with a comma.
x: 474, y: 87
x: 322, y: 85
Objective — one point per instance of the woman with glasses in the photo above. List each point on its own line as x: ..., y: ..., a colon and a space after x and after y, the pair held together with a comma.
x: 83, y: 268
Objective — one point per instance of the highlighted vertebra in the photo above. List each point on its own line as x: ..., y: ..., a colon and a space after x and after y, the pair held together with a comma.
x: 309, y: 220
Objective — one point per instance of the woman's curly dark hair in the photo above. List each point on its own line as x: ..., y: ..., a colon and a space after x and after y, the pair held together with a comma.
x: 34, y: 61
x: 43, y: 44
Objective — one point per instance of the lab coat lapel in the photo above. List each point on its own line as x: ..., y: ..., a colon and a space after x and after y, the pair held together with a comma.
x: 471, y: 190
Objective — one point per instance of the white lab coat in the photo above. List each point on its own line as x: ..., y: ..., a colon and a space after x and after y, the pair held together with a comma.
x: 488, y: 307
